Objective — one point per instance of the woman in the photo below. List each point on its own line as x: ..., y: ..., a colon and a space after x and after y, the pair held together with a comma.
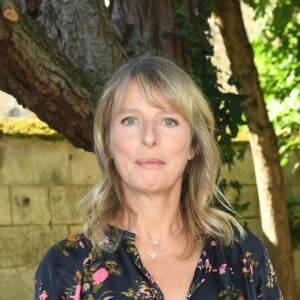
x: 152, y: 229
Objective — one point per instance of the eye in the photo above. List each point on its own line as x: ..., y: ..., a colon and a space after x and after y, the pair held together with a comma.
x: 129, y: 121
x: 170, y: 122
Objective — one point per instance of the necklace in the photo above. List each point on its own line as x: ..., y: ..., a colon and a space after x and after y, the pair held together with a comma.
x: 154, y: 242
x: 154, y: 252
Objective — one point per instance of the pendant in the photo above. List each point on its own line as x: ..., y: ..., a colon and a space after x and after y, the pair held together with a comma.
x: 152, y: 254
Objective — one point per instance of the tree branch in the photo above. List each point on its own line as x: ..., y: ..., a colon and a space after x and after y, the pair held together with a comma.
x: 57, y: 71
x: 9, y: 10
x: 42, y: 79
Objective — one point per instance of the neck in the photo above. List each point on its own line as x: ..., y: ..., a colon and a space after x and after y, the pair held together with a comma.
x: 153, y: 217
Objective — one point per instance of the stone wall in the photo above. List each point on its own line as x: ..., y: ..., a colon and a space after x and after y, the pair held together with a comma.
x: 41, y: 182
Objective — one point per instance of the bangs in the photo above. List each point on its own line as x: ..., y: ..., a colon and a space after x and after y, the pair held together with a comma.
x: 155, y: 91
x: 161, y: 82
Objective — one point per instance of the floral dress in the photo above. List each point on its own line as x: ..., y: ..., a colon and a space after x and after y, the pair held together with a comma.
x: 73, y: 269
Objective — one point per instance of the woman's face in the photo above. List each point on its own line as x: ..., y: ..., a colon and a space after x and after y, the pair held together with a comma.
x: 149, y: 143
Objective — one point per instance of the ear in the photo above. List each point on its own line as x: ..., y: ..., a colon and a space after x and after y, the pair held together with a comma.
x: 192, y: 153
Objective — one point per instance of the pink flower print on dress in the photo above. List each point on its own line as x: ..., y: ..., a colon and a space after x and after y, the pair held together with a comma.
x: 100, y: 275
x: 251, y: 269
x: 222, y: 269
x: 77, y: 293
x: 208, y: 266
x: 85, y: 287
x: 43, y: 296
x: 213, y: 243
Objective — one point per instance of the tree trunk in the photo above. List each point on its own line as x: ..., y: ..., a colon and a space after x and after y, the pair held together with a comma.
x: 147, y: 27
x: 263, y: 143
x: 61, y: 91
x: 83, y: 31
x: 41, y: 78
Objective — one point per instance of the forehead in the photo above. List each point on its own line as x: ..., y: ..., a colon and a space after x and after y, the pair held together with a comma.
x: 132, y: 95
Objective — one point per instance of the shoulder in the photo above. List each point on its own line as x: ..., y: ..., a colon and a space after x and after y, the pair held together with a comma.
x: 60, y: 265
x: 75, y: 247
x: 247, y: 261
x: 243, y: 245
x: 251, y: 245
x: 242, y: 241
x: 249, y: 240
x: 245, y: 250
x: 76, y: 244
x: 257, y: 265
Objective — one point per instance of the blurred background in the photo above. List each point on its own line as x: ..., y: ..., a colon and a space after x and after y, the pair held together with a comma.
x: 55, y: 57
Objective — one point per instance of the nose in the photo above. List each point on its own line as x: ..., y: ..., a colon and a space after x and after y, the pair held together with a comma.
x: 149, y: 137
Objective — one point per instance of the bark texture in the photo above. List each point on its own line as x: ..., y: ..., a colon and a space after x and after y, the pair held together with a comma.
x: 83, y: 31
x: 147, y: 27
x: 40, y: 76
x: 40, y: 79
x: 263, y: 143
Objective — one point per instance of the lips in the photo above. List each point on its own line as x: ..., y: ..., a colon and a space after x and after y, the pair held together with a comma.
x: 150, y: 162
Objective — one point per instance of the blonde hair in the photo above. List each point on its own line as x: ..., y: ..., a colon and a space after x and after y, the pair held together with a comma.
x: 200, y: 193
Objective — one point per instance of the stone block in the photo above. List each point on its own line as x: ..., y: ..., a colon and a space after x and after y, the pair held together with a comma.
x: 84, y: 167
x: 34, y: 161
x: 5, y: 206
x: 297, y: 262
x: 23, y: 246
x: 64, y: 203
x: 290, y: 175
x: 243, y: 171
x: 17, y: 283
x: 298, y: 289
x: 75, y: 229
x: 292, y: 190
x: 247, y: 194
x: 296, y: 269
x: 254, y: 225
x: 31, y: 205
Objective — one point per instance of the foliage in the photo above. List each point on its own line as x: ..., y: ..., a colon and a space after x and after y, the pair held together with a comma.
x: 286, y: 117
x: 293, y: 205
x: 28, y: 128
x: 238, y: 206
x: 195, y: 31
x: 277, y: 53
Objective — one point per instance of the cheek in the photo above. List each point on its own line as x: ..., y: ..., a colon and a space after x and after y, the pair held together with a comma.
x: 115, y: 142
x: 120, y: 147
x: 119, y: 157
x: 181, y: 152
x: 187, y: 148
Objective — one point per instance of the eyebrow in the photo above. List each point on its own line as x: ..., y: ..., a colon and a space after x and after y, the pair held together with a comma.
x: 136, y: 110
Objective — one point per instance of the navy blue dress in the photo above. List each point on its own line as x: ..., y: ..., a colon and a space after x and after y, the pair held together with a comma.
x: 73, y: 269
